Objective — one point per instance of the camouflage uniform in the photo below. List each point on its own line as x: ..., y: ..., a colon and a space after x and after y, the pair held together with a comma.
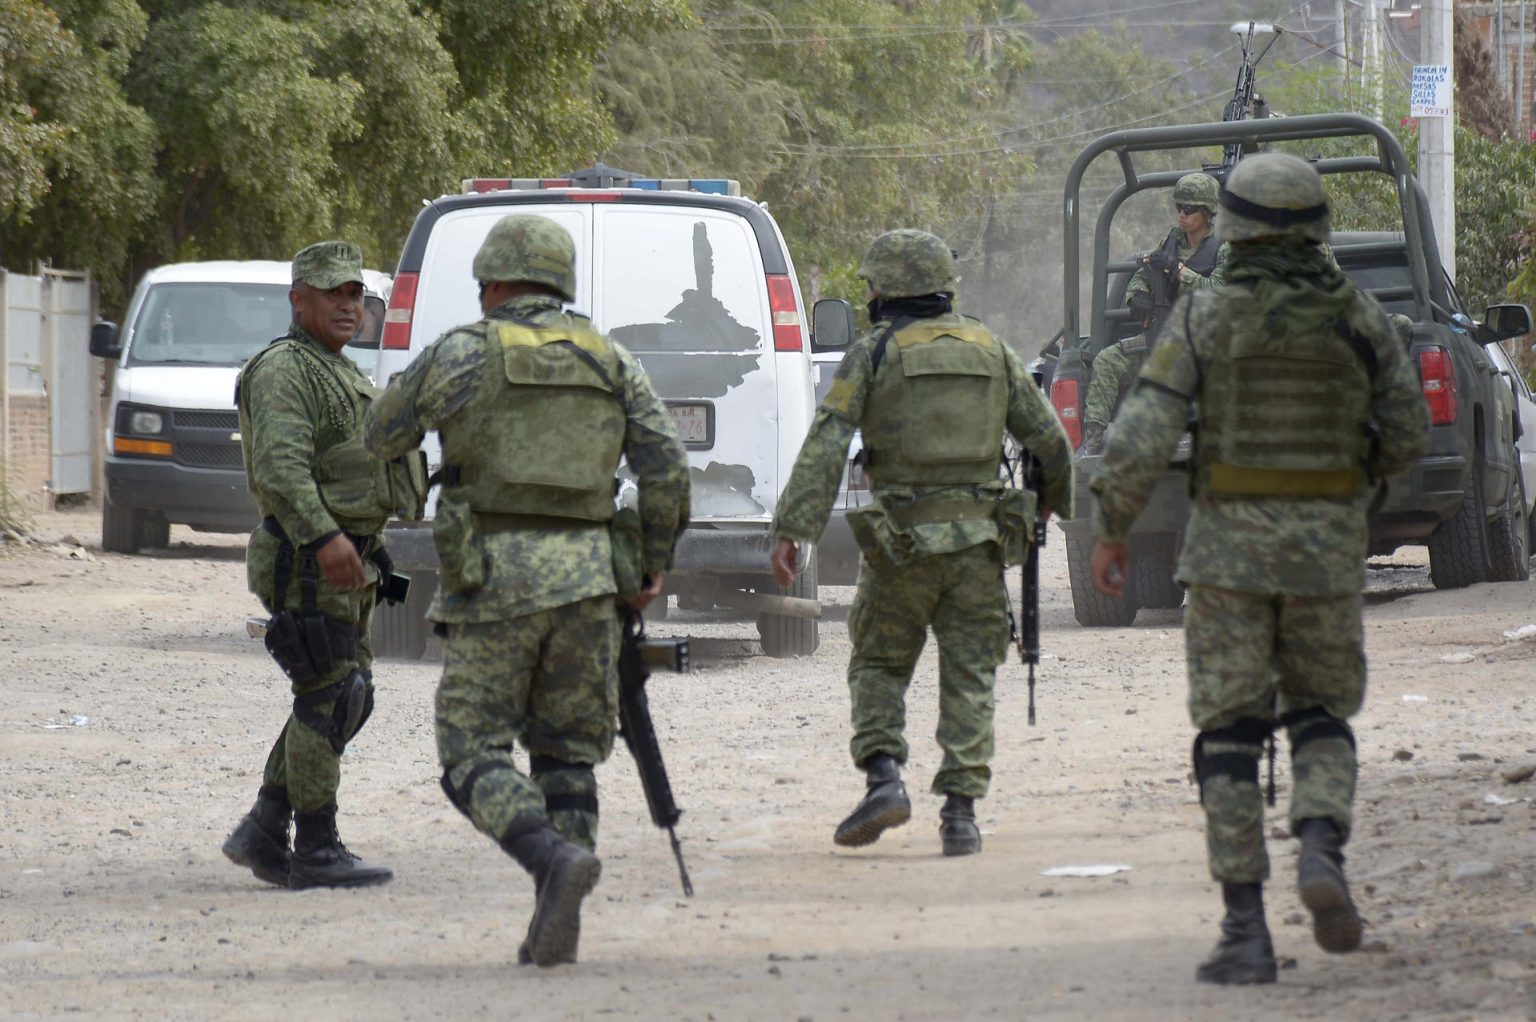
x: 933, y: 555
x: 527, y: 596
x: 1286, y: 363
x: 1114, y: 370
x: 301, y: 408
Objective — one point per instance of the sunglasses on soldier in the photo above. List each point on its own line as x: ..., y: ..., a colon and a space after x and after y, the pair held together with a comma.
x: 1188, y: 209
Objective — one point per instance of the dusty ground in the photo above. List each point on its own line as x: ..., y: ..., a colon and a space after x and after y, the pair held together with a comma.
x: 136, y: 716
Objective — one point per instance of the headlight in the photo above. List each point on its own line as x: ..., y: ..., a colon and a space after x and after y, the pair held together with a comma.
x: 146, y: 422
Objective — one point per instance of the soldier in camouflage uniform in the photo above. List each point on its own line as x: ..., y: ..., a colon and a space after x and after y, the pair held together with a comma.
x: 1306, y: 400
x: 534, y: 408
x: 1190, y: 259
x: 314, y: 562
x: 933, y: 392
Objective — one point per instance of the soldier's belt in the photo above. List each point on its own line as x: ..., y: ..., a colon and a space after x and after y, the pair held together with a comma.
x: 947, y: 509
x: 1224, y: 480
x: 500, y: 521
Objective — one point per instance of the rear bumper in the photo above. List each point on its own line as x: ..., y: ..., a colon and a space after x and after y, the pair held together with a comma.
x: 1417, y: 501
x: 207, y: 499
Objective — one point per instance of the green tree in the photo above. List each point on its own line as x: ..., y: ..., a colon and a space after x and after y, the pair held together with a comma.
x: 76, y: 175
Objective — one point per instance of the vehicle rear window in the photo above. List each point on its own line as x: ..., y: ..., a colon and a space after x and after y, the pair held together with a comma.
x: 208, y: 323
x: 676, y: 280
x: 1378, y: 276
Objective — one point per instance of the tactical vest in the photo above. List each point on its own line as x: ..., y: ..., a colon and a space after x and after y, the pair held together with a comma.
x: 1284, y: 409
x: 359, y: 490
x: 544, y: 433
x: 936, y: 415
x: 1203, y: 259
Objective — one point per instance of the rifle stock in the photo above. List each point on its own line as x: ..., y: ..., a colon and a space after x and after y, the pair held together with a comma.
x: 638, y: 656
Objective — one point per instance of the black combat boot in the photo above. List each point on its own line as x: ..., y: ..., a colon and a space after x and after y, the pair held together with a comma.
x: 260, y: 840
x: 885, y: 804
x: 321, y: 860
x: 957, y: 826
x: 1244, y: 954
x: 1325, y: 892
x: 563, y: 873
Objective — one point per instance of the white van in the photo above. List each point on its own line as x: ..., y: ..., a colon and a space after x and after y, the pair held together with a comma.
x: 696, y: 282
x: 172, y: 438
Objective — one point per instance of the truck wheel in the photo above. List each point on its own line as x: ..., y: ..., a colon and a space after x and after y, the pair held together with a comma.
x: 1509, y: 534
x: 119, y: 531
x: 1458, y: 548
x: 400, y: 631
x: 791, y: 636
x: 154, y: 531
x: 1153, y: 563
x: 1093, y: 608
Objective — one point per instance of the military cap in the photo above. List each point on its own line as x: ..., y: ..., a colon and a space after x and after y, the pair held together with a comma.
x: 1196, y: 189
x: 328, y: 264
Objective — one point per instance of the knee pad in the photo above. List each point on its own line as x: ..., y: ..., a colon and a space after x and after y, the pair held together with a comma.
x: 568, y: 787
x: 352, y: 699
x: 459, y: 794
x: 1314, y: 723
x: 1240, y: 766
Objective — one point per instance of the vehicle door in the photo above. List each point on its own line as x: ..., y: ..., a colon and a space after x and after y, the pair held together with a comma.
x: 683, y: 288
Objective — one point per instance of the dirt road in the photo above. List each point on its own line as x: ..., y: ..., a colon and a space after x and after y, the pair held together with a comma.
x: 136, y: 716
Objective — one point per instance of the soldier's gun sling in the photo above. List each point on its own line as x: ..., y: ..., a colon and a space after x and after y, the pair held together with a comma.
x: 638, y: 656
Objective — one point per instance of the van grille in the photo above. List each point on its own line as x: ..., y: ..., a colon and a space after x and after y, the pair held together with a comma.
x: 206, y: 420
x: 210, y: 455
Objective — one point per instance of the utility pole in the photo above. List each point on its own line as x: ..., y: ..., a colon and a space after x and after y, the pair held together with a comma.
x: 1341, y: 38
x: 1437, y: 135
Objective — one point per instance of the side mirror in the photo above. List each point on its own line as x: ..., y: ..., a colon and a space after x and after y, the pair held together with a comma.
x: 104, y: 340
x: 371, y: 329
x: 1501, y: 322
x: 831, y: 325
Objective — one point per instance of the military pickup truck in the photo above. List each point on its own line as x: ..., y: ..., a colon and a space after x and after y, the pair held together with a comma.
x: 1466, y: 500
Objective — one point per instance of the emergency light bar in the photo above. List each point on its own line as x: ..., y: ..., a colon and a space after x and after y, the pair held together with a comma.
x: 710, y: 185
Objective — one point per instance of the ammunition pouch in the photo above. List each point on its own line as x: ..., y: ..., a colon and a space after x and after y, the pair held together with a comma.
x: 307, y: 646
x: 352, y: 705
x: 1016, y: 512
x: 879, y: 537
x: 627, y: 542
x: 460, y: 557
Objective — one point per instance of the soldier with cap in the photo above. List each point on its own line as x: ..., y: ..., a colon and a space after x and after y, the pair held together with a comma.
x: 934, y: 393
x: 1190, y: 259
x: 535, y: 409
x: 315, y: 562
x: 1306, y: 400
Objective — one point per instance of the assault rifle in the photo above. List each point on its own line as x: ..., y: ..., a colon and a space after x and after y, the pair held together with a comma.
x: 1244, y: 104
x: 1161, y: 267
x: 638, y: 656
x: 1028, y: 633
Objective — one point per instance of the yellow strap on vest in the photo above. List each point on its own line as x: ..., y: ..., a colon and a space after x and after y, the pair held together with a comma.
x: 925, y: 333
x: 515, y: 335
x: 1236, y: 481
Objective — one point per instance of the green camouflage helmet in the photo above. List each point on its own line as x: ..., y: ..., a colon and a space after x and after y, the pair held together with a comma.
x: 1196, y: 190
x: 529, y: 249
x: 907, y: 262
x: 1274, y: 195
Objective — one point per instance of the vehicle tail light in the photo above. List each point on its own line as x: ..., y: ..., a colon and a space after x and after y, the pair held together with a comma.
x: 1437, y: 375
x: 397, y: 319
x: 1064, y: 398
x: 786, y: 317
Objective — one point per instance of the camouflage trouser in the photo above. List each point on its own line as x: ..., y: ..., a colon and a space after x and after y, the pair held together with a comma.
x: 961, y: 596
x: 1263, y: 657
x: 548, y: 680
x: 302, y: 761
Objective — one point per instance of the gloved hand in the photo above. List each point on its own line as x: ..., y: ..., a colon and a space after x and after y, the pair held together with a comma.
x: 1141, y: 306
x: 1162, y: 261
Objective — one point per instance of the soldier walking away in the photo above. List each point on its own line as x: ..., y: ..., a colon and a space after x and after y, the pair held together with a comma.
x: 1306, y: 401
x: 535, y: 408
x: 1190, y: 259
x: 934, y: 393
x: 315, y: 562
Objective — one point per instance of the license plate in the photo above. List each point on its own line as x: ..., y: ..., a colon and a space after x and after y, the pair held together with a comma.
x: 693, y: 423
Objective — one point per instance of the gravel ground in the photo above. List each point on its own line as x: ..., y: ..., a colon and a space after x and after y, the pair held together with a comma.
x: 137, y: 715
